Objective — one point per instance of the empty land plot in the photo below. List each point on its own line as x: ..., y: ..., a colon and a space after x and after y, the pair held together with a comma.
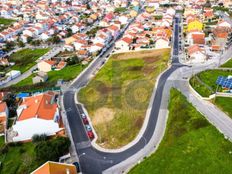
x: 122, y: 89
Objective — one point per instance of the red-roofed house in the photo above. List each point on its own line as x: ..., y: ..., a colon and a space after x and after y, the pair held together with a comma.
x: 4, y: 113
x: 96, y: 47
x: 196, y: 54
x: 37, y: 114
x: 123, y: 44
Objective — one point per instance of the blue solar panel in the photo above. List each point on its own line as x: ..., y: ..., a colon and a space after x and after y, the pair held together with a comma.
x: 224, y: 82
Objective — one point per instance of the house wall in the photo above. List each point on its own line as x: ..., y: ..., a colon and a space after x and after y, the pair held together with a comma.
x: 122, y: 45
x: 45, y: 67
x: 161, y: 44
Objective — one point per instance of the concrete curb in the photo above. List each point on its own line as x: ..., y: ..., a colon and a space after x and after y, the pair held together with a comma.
x: 142, y: 130
x: 67, y: 128
x: 151, y: 146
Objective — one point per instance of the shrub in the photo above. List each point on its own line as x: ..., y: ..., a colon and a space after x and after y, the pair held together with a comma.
x: 38, y: 138
x: 52, y: 149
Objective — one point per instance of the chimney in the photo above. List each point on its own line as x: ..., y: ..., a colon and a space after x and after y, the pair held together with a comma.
x: 36, y: 100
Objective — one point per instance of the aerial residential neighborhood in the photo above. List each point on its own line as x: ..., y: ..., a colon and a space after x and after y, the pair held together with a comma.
x: 115, y: 86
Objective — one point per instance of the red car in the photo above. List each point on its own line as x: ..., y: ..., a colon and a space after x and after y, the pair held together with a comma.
x: 90, y: 134
x: 85, y: 121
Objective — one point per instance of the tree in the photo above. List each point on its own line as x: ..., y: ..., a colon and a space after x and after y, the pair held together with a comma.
x: 9, y: 46
x: 29, y: 39
x: 52, y: 149
x: 35, y: 42
x: 73, y: 60
x: 11, y: 103
x: 54, y: 39
x: 38, y: 138
x: 70, y: 33
x: 21, y: 44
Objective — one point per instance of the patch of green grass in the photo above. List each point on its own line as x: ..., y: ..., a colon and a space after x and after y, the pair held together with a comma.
x: 228, y: 64
x: 120, y: 10
x: 68, y: 73
x: 225, y: 104
x: 25, y: 59
x: 1, y: 141
x: 5, y: 21
x: 190, y: 144
x: 19, y: 158
x: 123, y: 86
x: 209, y: 78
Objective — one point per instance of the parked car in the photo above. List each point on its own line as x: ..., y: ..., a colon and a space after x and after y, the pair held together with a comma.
x: 90, y: 135
x: 88, y: 127
x: 83, y: 115
x: 77, y: 166
x: 85, y: 121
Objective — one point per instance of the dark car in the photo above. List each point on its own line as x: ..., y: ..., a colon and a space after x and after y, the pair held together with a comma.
x: 77, y: 166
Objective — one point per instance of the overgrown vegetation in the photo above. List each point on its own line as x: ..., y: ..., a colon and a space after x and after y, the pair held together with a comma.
x: 190, y: 145
x: 228, y: 64
x: 117, y: 98
x: 25, y: 59
x: 225, y: 104
x: 209, y: 78
x: 23, y: 158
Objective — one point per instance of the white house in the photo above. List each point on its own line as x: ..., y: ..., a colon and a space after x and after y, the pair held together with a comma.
x: 37, y: 114
x: 162, y: 43
x: 46, y: 65
x: 196, y: 54
x: 123, y: 44
x: 96, y: 47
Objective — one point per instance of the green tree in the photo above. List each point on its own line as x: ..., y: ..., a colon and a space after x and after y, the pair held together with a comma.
x: 21, y: 44
x: 29, y: 39
x: 52, y: 149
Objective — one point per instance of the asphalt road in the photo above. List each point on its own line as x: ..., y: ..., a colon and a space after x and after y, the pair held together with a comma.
x: 93, y: 161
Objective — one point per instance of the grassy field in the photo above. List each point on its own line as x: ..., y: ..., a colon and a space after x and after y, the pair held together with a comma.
x: 25, y: 59
x: 209, y: 78
x: 5, y: 22
x: 190, y: 145
x: 225, y: 104
x: 18, y: 159
x: 227, y: 64
x: 117, y: 98
x: 68, y: 73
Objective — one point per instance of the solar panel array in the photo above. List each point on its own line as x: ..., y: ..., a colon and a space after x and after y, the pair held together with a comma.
x: 224, y: 82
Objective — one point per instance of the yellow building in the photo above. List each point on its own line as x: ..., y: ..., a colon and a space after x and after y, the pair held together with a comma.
x: 150, y: 9
x: 195, y: 25
x: 69, y: 40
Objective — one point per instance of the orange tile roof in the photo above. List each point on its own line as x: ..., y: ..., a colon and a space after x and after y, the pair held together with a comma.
x: 50, y: 62
x: 61, y: 65
x: 3, y: 107
x: 198, y: 38
x: 55, y: 168
x: 38, y: 106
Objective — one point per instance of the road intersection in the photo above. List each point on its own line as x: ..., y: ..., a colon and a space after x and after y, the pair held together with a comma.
x: 95, y: 161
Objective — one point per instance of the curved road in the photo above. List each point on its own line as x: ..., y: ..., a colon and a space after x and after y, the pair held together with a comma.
x: 93, y: 161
